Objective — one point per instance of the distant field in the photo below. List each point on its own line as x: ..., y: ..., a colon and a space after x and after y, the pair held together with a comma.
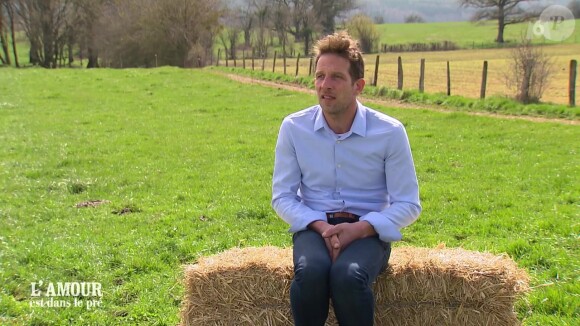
x: 185, y: 159
x: 466, y: 71
x: 465, y: 34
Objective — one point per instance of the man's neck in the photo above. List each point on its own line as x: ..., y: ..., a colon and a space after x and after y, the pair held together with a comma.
x: 340, y: 123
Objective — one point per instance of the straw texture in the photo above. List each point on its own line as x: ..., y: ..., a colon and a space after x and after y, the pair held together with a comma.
x: 250, y: 286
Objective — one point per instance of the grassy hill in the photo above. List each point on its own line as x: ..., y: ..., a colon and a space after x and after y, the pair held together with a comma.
x: 464, y: 34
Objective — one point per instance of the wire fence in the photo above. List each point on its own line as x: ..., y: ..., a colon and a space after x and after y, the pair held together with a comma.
x: 468, y: 78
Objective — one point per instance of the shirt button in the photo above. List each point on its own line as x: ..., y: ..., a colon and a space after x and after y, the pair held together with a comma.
x: 338, y: 141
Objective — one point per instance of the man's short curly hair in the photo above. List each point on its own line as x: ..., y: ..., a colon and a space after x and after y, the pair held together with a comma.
x: 342, y: 44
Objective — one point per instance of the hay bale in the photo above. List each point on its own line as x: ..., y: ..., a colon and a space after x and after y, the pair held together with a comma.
x: 251, y: 286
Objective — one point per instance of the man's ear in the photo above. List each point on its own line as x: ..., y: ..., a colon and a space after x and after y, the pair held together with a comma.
x: 359, y: 85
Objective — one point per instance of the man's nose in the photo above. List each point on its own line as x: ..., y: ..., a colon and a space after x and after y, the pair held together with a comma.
x: 326, y: 82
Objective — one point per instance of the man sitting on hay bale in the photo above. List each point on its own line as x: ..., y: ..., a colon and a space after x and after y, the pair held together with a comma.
x: 345, y: 182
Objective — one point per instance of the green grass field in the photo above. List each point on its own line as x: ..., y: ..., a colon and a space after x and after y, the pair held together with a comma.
x: 188, y: 154
x: 466, y: 65
x: 465, y: 34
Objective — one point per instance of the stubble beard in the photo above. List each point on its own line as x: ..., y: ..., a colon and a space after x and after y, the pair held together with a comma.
x: 333, y: 109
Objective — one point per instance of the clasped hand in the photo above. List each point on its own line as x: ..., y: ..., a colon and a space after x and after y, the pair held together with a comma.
x: 338, y: 237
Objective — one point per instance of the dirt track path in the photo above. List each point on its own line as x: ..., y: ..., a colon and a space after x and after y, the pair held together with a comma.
x: 395, y: 103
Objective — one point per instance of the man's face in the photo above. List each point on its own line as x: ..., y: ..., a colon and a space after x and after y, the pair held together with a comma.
x: 335, y: 88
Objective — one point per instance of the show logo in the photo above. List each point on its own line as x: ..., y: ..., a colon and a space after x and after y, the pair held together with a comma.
x: 555, y: 23
x: 65, y: 294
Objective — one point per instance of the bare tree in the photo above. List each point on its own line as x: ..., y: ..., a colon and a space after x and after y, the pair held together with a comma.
x: 9, y: 7
x: 310, y: 26
x: 4, y: 59
x: 295, y: 9
x: 281, y: 23
x: 247, y: 18
x: 191, y: 26
x: 53, y: 26
x: 530, y: 71
x: 301, y: 19
x: 149, y: 33
x: 44, y: 25
x: 262, y: 11
x: 414, y: 18
x: 328, y: 10
x: 84, y: 21
x: 363, y: 28
x: 230, y: 35
x: 506, y: 12
x: 30, y: 21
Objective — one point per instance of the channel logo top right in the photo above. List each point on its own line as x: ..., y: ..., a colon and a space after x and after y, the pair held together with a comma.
x: 556, y: 23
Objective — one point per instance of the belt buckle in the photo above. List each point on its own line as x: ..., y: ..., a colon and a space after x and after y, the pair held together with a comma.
x: 333, y: 214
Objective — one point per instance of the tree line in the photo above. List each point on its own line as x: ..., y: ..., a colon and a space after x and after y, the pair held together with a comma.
x: 148, y: 33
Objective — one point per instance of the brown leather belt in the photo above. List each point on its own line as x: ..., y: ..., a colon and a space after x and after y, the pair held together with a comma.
x: 341, y: 217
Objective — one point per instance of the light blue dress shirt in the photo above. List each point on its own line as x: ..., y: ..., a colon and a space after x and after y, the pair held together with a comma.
x: 367, y: 171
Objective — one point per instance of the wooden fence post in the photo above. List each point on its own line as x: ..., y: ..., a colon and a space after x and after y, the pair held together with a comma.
x: 310, y: 66
x: 244, y: 59
x: 284, y: 61
x: 253, y: 56
x: 422, y: 77
x: 572, y: 83
x: 263, y: 62
x: 274, y: 63
x: 297, y: 63
x: 448, y: 79
x: 483, y: 81
x: 400, y: 74
x: 376, y: 71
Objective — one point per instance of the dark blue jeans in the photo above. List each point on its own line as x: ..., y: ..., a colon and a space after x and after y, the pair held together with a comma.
x: 347, y: 281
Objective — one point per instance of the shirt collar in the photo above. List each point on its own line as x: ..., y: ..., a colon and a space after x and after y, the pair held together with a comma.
x: 319, y: 121
x: 359, y: 125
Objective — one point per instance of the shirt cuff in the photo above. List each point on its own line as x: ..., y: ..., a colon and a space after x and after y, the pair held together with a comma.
x: 387, y: 230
